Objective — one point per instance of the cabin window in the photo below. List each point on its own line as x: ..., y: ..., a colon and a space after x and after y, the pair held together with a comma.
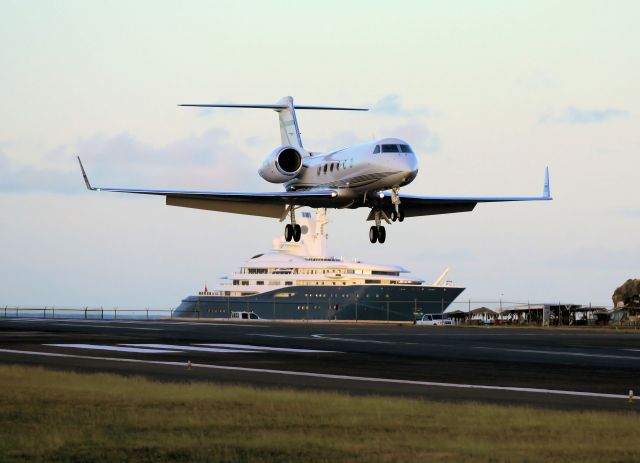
x: 377, y: 149
x: 337, y: 166
x: 390, y: 148
x: 325, y: 168
x: 331, y: 167
x: 319, y: 169
x: 406, y: 149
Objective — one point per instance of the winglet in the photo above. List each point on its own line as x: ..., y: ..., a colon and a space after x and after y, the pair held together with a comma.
x: 546, y: 192
x: 84, y: 175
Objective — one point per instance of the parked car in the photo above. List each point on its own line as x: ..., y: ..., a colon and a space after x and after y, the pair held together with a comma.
x: 434, y: 319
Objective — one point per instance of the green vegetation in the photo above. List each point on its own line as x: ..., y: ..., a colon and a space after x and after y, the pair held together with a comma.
x: 56, y: 416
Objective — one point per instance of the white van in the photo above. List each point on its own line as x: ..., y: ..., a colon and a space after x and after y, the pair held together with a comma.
x: 244, y: 316
x: 434, y: 319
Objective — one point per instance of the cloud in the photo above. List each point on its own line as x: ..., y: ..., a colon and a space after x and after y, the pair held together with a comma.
x: 420, y: 137
x: 392, y: 105
x: 209, y: 161
x: 537, y: 81
x: 629, y: 213
x: 573, y: 115
x: 20, y: 178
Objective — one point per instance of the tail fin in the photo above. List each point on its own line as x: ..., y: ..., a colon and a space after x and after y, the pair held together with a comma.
x: 289, y: 131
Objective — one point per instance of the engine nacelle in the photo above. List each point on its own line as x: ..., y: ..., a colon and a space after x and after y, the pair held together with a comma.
x: 282, y: 165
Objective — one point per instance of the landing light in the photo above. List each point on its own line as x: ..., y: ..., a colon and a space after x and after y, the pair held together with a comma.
x: 381, y: 195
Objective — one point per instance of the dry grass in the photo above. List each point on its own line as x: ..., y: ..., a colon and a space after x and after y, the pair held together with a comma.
x: 56, y: 416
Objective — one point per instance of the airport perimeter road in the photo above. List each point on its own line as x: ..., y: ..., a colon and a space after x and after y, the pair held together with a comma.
x: 545, y: 368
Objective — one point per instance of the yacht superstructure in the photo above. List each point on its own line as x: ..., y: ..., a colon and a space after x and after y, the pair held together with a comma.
x: 299, y: 280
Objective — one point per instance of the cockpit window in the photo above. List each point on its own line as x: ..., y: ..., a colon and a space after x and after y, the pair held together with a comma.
x: 377, y: 150
x: 390, y: 148
x: 406, y: 149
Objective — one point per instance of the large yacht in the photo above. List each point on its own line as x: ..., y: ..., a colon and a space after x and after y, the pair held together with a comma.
x: 300, y: 281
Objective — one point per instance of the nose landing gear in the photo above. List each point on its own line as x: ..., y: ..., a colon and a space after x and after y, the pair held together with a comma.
x: 397, y: 213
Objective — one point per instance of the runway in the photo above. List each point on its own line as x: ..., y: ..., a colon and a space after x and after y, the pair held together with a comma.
x: 543, y: 368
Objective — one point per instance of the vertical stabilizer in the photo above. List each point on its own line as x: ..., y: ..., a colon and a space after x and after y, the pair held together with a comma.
x: 289, y: 131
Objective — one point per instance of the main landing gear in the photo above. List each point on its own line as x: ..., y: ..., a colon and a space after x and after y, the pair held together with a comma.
x: 377, y: 233
x: 292, y: 231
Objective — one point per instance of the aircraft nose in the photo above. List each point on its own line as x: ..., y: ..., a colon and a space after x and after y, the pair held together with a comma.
x: 409, y: 167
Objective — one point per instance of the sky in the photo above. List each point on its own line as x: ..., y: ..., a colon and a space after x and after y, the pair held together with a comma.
x: 488, y: 94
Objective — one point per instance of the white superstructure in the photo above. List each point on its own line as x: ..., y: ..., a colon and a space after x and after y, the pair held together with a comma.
x: 306, y: 263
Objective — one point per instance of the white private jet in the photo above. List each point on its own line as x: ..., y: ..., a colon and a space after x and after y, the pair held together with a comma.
x: 367, y: 175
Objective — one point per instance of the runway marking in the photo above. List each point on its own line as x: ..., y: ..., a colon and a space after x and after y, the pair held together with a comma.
x: 193, y: 348
x: 216, y: 324
x: 115, y: 348
x: 107, y: 326
x: 326, y: 337
x: 279, y: 336
x: 330, y: 376
x: 264, y: 348
x: 575, y: 354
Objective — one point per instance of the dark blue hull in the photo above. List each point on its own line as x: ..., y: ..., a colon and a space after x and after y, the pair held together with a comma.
x: 355, y: 302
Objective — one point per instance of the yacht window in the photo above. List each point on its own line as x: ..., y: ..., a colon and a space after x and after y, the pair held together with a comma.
x: 406, y: 149
x: 259, y: 282
x: 389, y: 148
x: 377, y: 149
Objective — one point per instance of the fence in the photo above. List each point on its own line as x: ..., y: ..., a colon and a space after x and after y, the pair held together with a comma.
x: 468, y: 311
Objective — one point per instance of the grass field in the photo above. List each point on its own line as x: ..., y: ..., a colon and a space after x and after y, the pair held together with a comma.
x: 55, y: 416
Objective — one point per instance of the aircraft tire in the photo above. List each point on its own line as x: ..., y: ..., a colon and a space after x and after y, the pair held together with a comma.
x: 297, y: 232
x: 394, y: 216
x: 382, y: 235
x: 373, y: 234
x: 401, y: 216
x: 288, y: 232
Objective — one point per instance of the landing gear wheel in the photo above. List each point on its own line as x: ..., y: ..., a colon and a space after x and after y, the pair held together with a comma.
x: 394, y: 216
x: 288, y: 232
x: 373, y: 234
x: 297, y: 233
x: 401, y: 216
x: 382, y: 235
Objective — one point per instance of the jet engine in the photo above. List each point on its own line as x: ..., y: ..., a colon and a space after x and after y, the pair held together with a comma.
x: 282, y: 165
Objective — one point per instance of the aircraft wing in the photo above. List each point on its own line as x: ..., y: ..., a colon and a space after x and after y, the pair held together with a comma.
x: 260, y: 204
x: 414, y: 206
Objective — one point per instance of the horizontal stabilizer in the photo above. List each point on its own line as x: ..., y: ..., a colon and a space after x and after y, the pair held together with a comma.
x: 275, y: 107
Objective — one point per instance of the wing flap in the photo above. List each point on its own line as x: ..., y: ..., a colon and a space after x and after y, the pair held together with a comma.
x: 234, y: 207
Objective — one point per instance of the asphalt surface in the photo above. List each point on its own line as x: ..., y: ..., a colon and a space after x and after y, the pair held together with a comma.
x: 566, y: 369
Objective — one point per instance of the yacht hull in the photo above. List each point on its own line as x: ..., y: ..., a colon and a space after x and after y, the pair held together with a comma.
x: 352, y: 302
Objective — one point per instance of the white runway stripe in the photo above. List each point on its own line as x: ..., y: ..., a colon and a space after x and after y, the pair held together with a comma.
x: 82, y: 325
x: 549, y: 352
x: 329, y: 376
x: 115, y: 348
x: 264, y: 348
x: 193, y: 348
